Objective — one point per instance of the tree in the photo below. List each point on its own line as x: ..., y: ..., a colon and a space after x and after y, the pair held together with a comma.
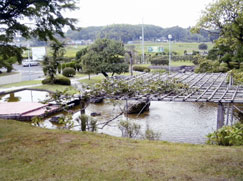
x: 46, y: 20
x: 105, y: 56
x: 226, y: 18
x: 51, y: 63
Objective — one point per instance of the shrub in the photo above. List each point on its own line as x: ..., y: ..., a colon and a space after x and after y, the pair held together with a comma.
x: 238, y: 77
x: 204, y: 66
x: 194, y: 52
x: 223, y: 67
x: 227, y: 136
x: 160, y: 61
x: 210, y: 66
x: 78, y: 66
x: 60, y: 80
x: 234, y: 65
x: 63, y: 66
x: 151, y: 135
x: 241, y: 66
x: 202, y: 46
x: 128, y: 129
x: 68, y: 72
x: 141, y: 68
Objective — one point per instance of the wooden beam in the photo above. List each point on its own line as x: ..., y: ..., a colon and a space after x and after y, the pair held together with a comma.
x: 220, y: 115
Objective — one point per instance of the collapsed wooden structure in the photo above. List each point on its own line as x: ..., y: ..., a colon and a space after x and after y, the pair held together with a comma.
x: 207, y: 87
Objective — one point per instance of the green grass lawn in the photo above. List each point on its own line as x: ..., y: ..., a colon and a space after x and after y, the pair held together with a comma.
x: 19, y: 84
x: 180, y: 63
x: 55, y: 87
x: 71, y: 50
x: 178, y: 47
x: 31, y: 153
x: 173, y: 63
x: 92, y: 80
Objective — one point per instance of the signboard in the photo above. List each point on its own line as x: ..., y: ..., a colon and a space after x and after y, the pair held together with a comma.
x: 38, y: 53
x: 155, y: 49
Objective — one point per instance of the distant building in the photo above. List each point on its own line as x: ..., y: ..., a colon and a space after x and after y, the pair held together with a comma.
x: 79, y: 42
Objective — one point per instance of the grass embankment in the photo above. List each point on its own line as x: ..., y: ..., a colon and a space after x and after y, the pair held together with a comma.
x: 178, y: 47
x: 173, y: 63
x: 31, y: 153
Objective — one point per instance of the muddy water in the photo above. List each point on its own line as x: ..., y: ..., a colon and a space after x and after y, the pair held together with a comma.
x: 175, y: 122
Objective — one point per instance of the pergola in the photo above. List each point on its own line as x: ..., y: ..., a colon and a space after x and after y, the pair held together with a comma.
x: 207, y: 87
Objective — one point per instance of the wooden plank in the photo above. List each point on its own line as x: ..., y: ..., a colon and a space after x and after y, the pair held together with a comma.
x: 233, y: 97
x: 217, y: 87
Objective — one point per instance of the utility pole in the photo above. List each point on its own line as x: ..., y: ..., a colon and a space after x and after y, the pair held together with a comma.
x: 142, y: 42
x: 169, y: 37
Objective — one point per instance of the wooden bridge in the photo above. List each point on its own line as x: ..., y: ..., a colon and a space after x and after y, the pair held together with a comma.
x: 207, y: 87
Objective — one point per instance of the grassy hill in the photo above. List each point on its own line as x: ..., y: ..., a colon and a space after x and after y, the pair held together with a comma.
x: 31, y: 153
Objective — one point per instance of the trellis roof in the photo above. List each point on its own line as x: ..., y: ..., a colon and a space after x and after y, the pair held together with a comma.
x: 206, y: 87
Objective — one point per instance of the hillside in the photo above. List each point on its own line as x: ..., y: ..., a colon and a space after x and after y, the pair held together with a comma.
x: 126, y: 33
x: 31, y: 153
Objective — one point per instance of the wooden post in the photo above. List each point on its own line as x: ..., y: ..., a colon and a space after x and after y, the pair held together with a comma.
x: 220, y: 115
x: 82, y: 106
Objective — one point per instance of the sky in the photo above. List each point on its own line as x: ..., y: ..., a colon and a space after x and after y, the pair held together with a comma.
x: 163, y: 13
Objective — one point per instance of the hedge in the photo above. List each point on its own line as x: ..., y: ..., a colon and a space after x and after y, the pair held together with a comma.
x: 60, y: 80
x: 141, y: 68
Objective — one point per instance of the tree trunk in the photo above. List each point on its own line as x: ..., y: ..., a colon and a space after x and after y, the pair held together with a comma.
x: 82, y: 106
x: 105, y: 74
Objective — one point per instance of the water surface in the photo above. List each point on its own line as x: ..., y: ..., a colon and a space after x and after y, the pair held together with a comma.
x: 175, y: 122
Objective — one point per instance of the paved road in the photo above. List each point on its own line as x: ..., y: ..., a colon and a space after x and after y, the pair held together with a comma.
x: 29, y: 73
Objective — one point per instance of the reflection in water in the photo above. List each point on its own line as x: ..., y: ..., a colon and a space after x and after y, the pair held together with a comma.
x: 176, y: 122
x: 25, y: 96
x: 12, y: 98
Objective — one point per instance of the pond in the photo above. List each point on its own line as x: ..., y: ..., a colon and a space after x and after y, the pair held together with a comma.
x: 173, y: 121
x: 25, y: 96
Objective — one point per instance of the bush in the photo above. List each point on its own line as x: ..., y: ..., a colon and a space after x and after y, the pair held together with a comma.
x: 69, y: 72
x: 78, y: 66
x: 227, y: 136
x: 202, y: 46
x: 141, y: 68
x: 160, y: 61
x: 223, y: 67
x: 60, y: 80
x: 194, y: 52
x: 128, y: 129
x: 63, y: 66
x: 204, y: 66
x: 234, y: 65
x: 241, y: 66
x: 238, y: 77
x: 210, y: 66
